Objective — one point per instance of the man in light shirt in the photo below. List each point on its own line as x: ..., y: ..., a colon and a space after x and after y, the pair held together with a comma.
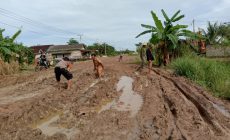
x: 63, y: 68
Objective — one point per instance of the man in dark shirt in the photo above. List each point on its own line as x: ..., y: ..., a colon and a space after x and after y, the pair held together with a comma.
x: 43, y: 61
x: 150, y: 58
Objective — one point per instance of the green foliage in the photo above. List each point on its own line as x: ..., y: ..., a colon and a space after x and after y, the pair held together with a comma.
x: 138, y: 47
x: 101, y: 48
x: 217, y: 34
x: 12, y: 51
x: 127, y: 51
x: 72, y: 41
x: 167, y: 34
x: 212, y: 74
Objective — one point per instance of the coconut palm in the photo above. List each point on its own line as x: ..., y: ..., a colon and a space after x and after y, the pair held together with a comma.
x: 212, y: 33
x: 166, y: 35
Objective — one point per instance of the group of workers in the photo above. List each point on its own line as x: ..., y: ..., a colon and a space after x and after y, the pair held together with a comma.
x: 65, y: 65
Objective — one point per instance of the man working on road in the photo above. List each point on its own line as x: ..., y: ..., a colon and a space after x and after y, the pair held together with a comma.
x: 142, y: 55
x: 62, y: 68
x: 98, y: 66
x: 120, y: 58
x: 150, y: 58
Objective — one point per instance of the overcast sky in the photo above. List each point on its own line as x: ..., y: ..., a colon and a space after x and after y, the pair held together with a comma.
x: 116, y: 22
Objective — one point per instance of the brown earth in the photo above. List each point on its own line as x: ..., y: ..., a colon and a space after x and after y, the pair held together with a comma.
x: 32, y: 107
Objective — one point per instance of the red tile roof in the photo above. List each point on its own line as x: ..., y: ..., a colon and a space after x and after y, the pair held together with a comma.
x: 36, y: 49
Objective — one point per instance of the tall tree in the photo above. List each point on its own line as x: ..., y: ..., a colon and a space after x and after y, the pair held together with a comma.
x: 72, y: 41
x: 103, y: 48
x: 212, y: 33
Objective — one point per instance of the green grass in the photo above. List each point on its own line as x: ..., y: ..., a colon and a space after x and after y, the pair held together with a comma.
x: 212, y: 74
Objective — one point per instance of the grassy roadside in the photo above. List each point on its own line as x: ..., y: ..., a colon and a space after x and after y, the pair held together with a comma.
x: 212, y: 74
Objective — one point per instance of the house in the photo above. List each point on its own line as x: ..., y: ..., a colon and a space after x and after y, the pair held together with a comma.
x: 72, y: 51
x: 40, y: 48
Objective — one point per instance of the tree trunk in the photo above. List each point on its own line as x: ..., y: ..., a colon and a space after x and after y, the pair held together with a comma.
x: 165, y: 55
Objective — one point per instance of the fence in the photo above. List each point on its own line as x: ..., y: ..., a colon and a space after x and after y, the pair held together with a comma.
x: 217, y: 51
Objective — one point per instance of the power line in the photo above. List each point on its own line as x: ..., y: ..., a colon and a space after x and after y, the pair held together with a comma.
x: 31, y: 22
x: 9, y: 25
x: 38, y: 24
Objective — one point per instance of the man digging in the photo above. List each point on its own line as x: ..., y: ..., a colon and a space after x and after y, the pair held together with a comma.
x: 63, y: 68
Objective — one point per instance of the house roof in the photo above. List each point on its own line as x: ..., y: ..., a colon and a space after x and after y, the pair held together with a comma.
x: 36, y: 49
x: 58, y: 49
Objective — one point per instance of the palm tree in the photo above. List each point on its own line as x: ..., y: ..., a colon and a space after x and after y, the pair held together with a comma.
x: 166, y: 35
x: 212, y: 33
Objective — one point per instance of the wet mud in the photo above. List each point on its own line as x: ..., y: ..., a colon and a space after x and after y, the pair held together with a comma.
x: 125, y: 104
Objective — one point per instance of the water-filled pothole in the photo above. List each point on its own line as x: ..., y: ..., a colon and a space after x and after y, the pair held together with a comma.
x: 50, y: 126
x: 128, y: 101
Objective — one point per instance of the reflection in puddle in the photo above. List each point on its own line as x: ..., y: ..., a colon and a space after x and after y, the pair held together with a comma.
x: 222, y: 110
x: 128, y: 101
x: 50, y: 127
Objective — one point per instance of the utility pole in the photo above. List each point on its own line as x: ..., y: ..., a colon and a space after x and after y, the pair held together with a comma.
x: 193, y: 23
x: 80, y: 35
x: 105, y: 48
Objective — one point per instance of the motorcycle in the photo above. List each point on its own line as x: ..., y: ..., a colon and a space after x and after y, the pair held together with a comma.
x: 41, y: 65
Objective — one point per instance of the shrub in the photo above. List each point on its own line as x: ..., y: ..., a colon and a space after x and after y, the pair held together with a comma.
x: 9, y: 68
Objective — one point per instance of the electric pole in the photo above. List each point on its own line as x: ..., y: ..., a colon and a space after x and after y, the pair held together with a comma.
x: 193, y: 23
x: 80, y: 37
x: 105, y: 48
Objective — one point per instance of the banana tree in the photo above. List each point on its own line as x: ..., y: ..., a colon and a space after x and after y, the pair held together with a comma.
x: 9, y: 50
x: 166, y: 34
x: 3, y: 49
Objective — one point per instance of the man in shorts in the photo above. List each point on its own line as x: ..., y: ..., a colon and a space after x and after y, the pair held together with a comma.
x: 120, y: 58
x: 150, y: 58
x: 63, y: 68
x: 98, y: 66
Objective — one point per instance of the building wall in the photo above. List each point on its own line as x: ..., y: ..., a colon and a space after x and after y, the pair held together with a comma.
x: 76, y: 54
x: 73, y: 54
x: 61, y: 55
x: 218, y: 52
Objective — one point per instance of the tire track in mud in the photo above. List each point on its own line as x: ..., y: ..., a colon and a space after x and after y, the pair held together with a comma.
x: 27, y: 110
x: 38, y: 86
x: 199, y: 101
x: 35, y: 109
x: 169, y: 105
x: 167, y: 112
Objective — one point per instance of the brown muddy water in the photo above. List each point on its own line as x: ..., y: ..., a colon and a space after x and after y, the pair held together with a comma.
x: 129, y: 99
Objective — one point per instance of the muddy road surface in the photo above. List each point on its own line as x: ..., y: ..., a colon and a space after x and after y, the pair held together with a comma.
x: 125, y: 104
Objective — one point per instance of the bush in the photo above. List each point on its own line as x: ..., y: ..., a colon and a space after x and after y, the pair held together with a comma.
x: 9, y: 68
x: 209, y: 73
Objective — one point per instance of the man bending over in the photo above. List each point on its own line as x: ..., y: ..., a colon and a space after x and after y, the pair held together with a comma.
x: 63, y: 68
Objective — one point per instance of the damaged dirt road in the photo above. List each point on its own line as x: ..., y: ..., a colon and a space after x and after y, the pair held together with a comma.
x: 126, y: 105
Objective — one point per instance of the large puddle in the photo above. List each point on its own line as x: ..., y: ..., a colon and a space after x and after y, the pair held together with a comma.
x: 128, y: 101
x: 50, y: 127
